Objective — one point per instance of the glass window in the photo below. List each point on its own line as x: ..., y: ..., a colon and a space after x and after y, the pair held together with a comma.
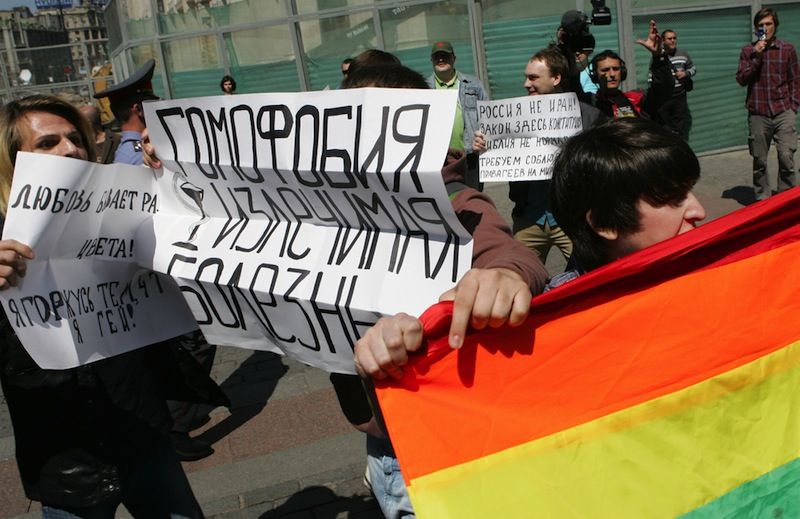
x: 262, y: 68
x: 409, y: 32
x: 187, y: 15
x: 312, y: 6
x: 328, y: 41
x: 139, y: 55
x: 112, y: 25
x: 494, y: 10
x: 137, y: 17
x: 193, y: 66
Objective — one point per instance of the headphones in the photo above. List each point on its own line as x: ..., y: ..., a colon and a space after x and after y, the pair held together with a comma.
x: 623, y: 70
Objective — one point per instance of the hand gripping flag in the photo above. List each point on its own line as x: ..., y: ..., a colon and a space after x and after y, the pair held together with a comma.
x: 664, y: 384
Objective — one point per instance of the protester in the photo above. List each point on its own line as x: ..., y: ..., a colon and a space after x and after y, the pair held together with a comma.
x: 620, y: 187
x: 228, y: 85
x: 608, y: 70
x: 768, y: 68
x: 371, y: 57
x: 496, y: 290
x: 93, y: 437
x: 106, y: 142
x: 674, y: 113
x: 534, y: 224
x: 470, y: 91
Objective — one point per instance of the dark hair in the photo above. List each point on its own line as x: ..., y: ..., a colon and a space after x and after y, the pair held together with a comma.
x: 387, y: 76
x: 665, y: 31
x: 346, y: 61
x: 555, y: 61
x: 373, y: 57
x: 608, y: 53
x: 606, y: 170
x: 227, y: 78
x: 763, y: 13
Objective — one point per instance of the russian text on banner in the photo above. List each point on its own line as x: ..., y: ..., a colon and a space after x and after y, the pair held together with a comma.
x: 292, y: 222
x: 662, y: 385
x: 524, y: 134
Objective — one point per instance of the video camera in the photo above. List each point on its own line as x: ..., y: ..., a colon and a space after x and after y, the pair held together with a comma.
x: 575, y: 24
x: 601, y: 15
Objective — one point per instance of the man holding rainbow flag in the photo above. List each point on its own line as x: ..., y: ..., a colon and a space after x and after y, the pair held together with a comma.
x: 659, y: 378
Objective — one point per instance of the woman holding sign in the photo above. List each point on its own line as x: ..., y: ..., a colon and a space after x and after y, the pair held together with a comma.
x: 93, y: 437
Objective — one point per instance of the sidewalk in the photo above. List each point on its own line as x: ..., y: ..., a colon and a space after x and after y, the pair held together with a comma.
x: 286, y: 450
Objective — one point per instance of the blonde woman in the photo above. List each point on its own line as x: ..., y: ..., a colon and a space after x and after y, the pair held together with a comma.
x: 89, y: 438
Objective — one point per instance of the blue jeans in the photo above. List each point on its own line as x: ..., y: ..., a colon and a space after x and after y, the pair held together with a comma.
x: 387, y: 480
x: 153, y: 487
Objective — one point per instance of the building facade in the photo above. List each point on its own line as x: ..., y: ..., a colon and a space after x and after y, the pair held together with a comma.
x: 297, y: 45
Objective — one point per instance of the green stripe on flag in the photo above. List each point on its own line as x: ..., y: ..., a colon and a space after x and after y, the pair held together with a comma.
x: 774, y: 495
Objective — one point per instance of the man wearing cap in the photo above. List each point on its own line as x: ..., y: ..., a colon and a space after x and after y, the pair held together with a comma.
x: 470, y: 91
x: 126, y: 102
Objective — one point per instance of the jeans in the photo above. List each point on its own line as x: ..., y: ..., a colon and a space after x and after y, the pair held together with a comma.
x: 155, y: 487
x: 387, y: 480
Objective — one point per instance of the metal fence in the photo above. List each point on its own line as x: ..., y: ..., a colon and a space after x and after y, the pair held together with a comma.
x: 74, y: 71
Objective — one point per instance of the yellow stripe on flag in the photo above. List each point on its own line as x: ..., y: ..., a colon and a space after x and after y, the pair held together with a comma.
x: 662, y: 458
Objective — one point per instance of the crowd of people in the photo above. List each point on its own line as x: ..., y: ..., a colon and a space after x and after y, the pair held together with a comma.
x: 113, y: 432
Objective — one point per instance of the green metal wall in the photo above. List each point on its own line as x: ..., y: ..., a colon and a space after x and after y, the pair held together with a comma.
x: 513, y: 30
x: 510, y: 44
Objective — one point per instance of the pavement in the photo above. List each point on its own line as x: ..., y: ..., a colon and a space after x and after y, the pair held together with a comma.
x: 284, y: 449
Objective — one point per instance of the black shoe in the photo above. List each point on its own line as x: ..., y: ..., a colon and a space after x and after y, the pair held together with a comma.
x: 188, y: 448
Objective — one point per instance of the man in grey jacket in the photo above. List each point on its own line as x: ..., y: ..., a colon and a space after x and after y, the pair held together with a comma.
x: 470, y: 91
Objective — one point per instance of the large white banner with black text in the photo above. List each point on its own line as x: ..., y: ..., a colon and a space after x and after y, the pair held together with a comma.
x: 287, y: 222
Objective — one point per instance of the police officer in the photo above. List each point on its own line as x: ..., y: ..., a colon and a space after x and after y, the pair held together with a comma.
x: 126, y: 102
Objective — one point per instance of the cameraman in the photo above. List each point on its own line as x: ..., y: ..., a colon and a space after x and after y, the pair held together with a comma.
x: 768, y: 68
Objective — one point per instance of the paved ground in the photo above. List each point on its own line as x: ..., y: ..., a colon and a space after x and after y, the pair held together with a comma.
x: 284, y: 450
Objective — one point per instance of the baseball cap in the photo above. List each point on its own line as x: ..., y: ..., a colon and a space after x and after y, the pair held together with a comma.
x: 442, y: 46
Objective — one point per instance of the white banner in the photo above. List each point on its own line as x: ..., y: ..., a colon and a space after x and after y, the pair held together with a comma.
x: 290, y: 222
x: 524, y: 134
x: 86, y: 297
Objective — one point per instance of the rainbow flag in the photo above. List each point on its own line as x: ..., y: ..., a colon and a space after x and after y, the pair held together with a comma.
x: 665, y: 384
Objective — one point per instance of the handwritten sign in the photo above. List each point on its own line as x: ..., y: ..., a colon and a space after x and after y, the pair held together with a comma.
x: 288, y: 222
x: 524, y: 134
x: 86, y: 297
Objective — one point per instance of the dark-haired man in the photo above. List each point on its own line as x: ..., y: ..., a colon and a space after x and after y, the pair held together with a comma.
x: 620, y: 187
x: 768, y: 68
x: 608, y: 70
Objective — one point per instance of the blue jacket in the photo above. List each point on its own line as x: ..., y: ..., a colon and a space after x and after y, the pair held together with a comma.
x: 470, y: 91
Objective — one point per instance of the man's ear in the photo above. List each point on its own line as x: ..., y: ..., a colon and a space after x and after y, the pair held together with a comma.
x: 557, y: 80
x: 608, y: 234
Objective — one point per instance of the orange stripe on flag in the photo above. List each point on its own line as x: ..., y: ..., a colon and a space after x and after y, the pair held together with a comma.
x: 510, y: 386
